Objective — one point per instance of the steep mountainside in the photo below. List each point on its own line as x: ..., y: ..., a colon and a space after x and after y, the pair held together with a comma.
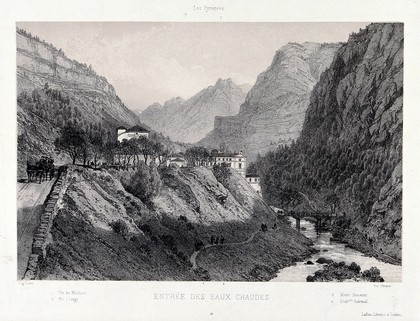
x: 53, y: 89
x: 350, y: 149
x: 103, y: 232
x: 245, y: 88
x: 189, y: 121
x: 274, y: 109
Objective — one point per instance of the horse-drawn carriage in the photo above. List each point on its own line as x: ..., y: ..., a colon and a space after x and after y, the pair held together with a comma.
x: 41, y: 170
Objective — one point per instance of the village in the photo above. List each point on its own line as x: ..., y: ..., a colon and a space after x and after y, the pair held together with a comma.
x: 235, y: 160
x: 225, y: 185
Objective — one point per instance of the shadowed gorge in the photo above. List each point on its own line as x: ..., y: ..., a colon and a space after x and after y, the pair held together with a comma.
x: 349, y: 155
x: 297, y: 178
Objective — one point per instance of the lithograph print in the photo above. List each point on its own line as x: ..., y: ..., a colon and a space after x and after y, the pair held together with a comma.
x: 209, y: 151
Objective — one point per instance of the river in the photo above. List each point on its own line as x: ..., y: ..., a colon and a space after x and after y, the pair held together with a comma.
x: 335, y: 251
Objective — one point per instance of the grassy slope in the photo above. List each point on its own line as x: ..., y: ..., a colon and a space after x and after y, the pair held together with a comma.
x: 85, y: 247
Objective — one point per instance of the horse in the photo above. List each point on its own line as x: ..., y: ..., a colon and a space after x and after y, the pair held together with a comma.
x: 47, y: 165
x: 51, y: 172
x: 42, y: 168
x: 31, y: 171
x: 39, y: 173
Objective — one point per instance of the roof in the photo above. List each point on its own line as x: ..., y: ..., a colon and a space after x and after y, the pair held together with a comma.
x: 252, y: 175
x: 229, y: 155
x: 121, y: 127
x: 178, y: 160
x: 138, y: 129
x: 178, y: 155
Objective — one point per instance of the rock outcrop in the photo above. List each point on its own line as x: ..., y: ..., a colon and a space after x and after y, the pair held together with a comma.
x: 274, y: 109
x: 156, y: 241
x: 359, y: 102
x: 348, y: 158
x: 189, y: 121
x: 39, y: 63
x: 53, y: 89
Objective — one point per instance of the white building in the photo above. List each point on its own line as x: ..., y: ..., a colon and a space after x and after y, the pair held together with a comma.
x: 133, y: 132
x: 234, y: 160
x: 254, y: 181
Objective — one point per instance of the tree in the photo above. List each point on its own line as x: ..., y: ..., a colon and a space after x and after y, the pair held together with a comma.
x: 109, y: 151
x: 97, y: 146
x: 72, y: 141
x: 332, y: 199
x: 146, y: 147
x: 86, y: 151
x: 128, y: 150
x: 197, y: 155
x: 155, y: 181
x: 144, y: 183
x: 161, y: 153
x: 222, y: 173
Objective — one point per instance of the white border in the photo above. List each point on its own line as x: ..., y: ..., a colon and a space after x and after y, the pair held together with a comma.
x: 134, y: 300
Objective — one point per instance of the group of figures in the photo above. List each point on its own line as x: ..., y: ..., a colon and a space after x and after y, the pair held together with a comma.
x: 41, y: 170
x: 217, y: 240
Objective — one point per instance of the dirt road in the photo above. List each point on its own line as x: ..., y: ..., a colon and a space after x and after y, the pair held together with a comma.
x: 30, y: 199
x: 193, y: 258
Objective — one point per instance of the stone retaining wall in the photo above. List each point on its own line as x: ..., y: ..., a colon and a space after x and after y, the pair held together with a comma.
x: 41, y: 236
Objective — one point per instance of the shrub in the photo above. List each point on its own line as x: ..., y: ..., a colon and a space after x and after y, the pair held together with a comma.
x: 154, y: 239
x: 198, y: 245
x: 354, y: 267
x: 146, y: 249
x: 183, y: 218
x: 182, y: 256
x: 168, y: 240
x: 134, y: 239
x: 145, y: 228
x: 144, y: 183
x: 119, y: 227
x: 222, y: 173
x: 373, y: 275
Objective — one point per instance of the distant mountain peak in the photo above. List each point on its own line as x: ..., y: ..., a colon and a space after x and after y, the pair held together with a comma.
x: 190, y: 120
x: 224, y: 83
x: 275, y: 107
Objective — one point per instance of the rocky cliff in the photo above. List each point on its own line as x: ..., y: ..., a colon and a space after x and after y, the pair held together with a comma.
x: 39, y: 63
x: 53, y: 89
x: 189, y: 121
x: 275, y: 107
x: 349, y: 154
x: 359, y: 101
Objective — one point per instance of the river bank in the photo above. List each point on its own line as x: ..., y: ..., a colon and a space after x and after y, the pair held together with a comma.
x: 258, y: 260
x: 337, y: 252
x: 353, y: 241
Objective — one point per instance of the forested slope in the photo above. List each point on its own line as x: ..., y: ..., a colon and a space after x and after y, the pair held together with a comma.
x: 349, y: 154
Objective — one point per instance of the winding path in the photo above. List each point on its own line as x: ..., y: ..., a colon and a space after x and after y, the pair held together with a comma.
x: 193, y: 258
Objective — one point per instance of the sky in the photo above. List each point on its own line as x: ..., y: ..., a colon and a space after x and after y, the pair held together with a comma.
x: 149, y: 62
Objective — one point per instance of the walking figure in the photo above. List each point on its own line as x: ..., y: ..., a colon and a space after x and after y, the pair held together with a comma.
x: 263, y: 227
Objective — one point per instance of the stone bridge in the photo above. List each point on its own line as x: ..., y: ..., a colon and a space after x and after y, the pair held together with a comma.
x: 321, y: 219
